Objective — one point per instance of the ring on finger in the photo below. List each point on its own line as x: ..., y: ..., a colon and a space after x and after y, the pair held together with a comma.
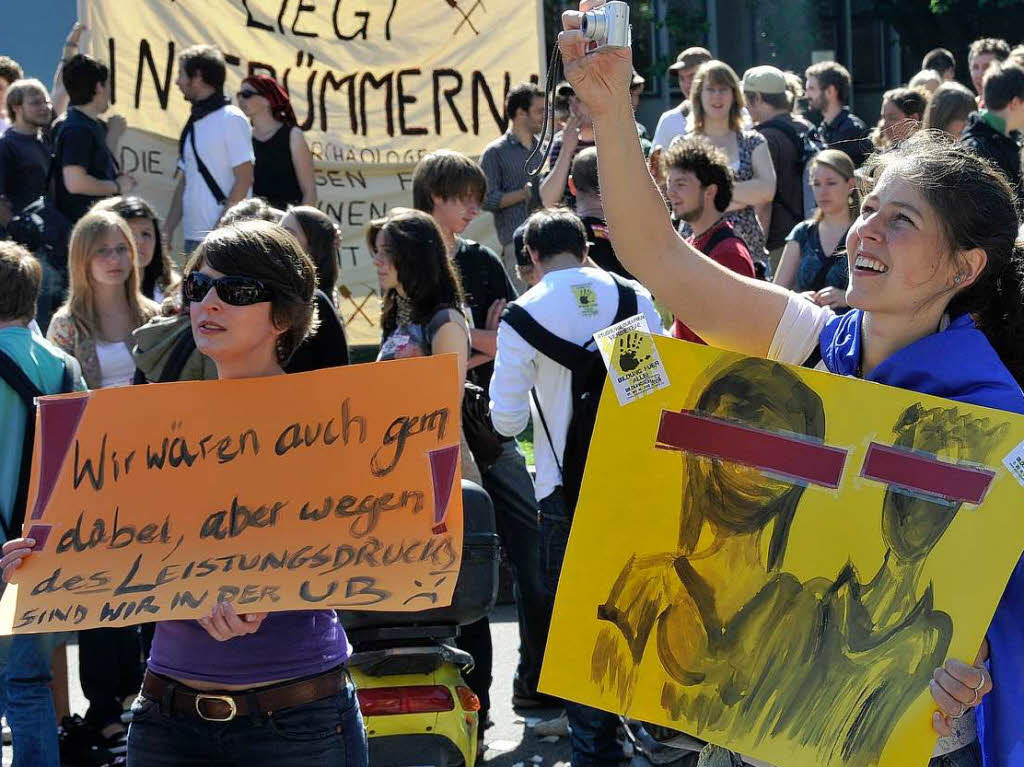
x: 977, y: 698
x: 963, y: 710
x: 981, y: 682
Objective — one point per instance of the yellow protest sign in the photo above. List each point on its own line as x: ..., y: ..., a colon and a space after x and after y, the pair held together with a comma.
x: 338, y: 488
x: 772, y: 559
x: 383, y: 83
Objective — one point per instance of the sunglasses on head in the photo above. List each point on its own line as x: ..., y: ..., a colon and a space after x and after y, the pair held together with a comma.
x: 246, y: 94
x: 233, y: 289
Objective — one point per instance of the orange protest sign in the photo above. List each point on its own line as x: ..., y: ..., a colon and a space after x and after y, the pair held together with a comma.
x: 332, y: 489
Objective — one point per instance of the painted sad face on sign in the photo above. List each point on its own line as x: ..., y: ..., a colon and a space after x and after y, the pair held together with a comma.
x: 739, y: 637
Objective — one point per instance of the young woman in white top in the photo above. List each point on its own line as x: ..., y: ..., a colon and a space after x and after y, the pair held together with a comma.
x: 104, y: 302
x: 935, y: 272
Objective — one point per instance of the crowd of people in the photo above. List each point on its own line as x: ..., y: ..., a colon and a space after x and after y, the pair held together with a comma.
x: 762, y: 216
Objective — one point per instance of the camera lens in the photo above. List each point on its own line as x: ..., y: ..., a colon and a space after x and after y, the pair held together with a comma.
x: 594, y: 26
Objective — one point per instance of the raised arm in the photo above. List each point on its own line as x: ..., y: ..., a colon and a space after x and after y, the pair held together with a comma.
x: 725, y: 309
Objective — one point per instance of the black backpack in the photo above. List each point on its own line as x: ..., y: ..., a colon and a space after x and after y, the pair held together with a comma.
x: 588, y: 374
x: 12, y: 374
x: 807, y: 144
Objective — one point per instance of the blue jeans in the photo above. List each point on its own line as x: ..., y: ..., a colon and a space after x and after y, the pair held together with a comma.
x: 515, y: 510
x: 26, y: 700
x: 593, y: 734
x: 325, y: 733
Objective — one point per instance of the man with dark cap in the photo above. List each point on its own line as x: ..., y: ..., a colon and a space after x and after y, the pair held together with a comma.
x: 675, y: 121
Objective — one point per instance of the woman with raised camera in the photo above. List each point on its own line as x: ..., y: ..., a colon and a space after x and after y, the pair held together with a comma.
x: 230, y: 688
x: 936, y: 287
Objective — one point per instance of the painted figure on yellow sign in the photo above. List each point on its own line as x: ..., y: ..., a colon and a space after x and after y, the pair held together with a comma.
x: 830, y: 663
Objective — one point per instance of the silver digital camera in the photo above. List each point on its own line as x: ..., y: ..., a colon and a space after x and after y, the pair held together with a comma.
x: 608, y: 25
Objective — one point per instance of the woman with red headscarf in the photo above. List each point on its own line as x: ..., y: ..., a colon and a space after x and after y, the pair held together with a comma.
x: 284, y: 164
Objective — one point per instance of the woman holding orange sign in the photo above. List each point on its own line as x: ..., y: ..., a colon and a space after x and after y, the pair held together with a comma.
x: 252, y: 689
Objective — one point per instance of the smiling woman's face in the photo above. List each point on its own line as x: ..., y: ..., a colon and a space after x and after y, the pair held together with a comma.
x: 897, y: 255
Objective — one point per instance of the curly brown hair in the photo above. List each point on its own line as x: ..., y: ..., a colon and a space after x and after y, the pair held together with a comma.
x: 705, y: 161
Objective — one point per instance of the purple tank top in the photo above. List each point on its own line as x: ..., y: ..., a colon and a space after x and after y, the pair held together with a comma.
x: 287, y: 645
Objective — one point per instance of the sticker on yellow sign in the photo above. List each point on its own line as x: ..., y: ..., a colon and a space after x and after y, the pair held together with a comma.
x: 632, y: 358
x: 770, y: 558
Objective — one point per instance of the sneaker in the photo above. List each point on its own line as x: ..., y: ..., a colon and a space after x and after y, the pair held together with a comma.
x: 559, y: 727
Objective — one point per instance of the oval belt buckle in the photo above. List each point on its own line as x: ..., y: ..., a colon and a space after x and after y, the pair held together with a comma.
x: 232, y: 708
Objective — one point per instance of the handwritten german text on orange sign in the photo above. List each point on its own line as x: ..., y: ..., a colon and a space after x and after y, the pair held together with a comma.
x: 333, y: 489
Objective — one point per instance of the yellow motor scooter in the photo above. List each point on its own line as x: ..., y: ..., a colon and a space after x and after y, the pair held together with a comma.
x: 416, y: 706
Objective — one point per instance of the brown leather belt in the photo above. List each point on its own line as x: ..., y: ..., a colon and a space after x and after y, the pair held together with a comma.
x: 223, y: 706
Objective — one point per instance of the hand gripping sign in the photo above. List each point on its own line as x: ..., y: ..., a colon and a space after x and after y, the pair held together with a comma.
x: 771, y: 558
x: 332, y: 489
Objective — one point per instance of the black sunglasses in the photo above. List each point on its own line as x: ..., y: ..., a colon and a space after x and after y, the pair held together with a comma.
x: 246, y: 94
x: 233, y: 289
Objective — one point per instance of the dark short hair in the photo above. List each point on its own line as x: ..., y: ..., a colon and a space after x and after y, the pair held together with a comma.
x: 584, y: 171
x: 270, y: 254
x: 1004, y: 81
x: 10, y: 70
x: 521, y: 98
x: 993, y: 45
x: 835, y: 74
x: 81, y: 74
x: 939, y: 60
x: 448, y: 175
x: 697, y: 155
x: 553, y: 231
x: 21, y: 274
x: 208, y: 61
x: 251, y: 209
x: 323, y: 238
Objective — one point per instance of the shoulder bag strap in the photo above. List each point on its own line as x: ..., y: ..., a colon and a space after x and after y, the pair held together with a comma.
x: 12, y: 374
x: 544, y: 424
x: 565, y: 353
x: 211, y: 182
x: 627, y: 299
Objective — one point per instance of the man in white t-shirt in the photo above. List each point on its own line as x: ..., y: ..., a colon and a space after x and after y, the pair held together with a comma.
x: 571, y: 301
x: 215, y: 156
x: 675, y: 122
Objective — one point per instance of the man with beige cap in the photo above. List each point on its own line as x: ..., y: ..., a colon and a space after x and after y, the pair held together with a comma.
x: 770, y: 103
x: 675, y: 121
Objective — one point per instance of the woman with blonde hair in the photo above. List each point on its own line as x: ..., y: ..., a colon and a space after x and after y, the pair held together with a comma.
x: 103, y: 307
x: 717, y: 115
x: 814, y: 259
x: 104, y: 302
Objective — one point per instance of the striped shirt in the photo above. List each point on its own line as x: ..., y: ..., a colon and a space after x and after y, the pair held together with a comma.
x: 504, y: 162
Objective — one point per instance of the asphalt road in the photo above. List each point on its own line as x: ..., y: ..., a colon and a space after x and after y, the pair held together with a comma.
x: 510, y: 741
